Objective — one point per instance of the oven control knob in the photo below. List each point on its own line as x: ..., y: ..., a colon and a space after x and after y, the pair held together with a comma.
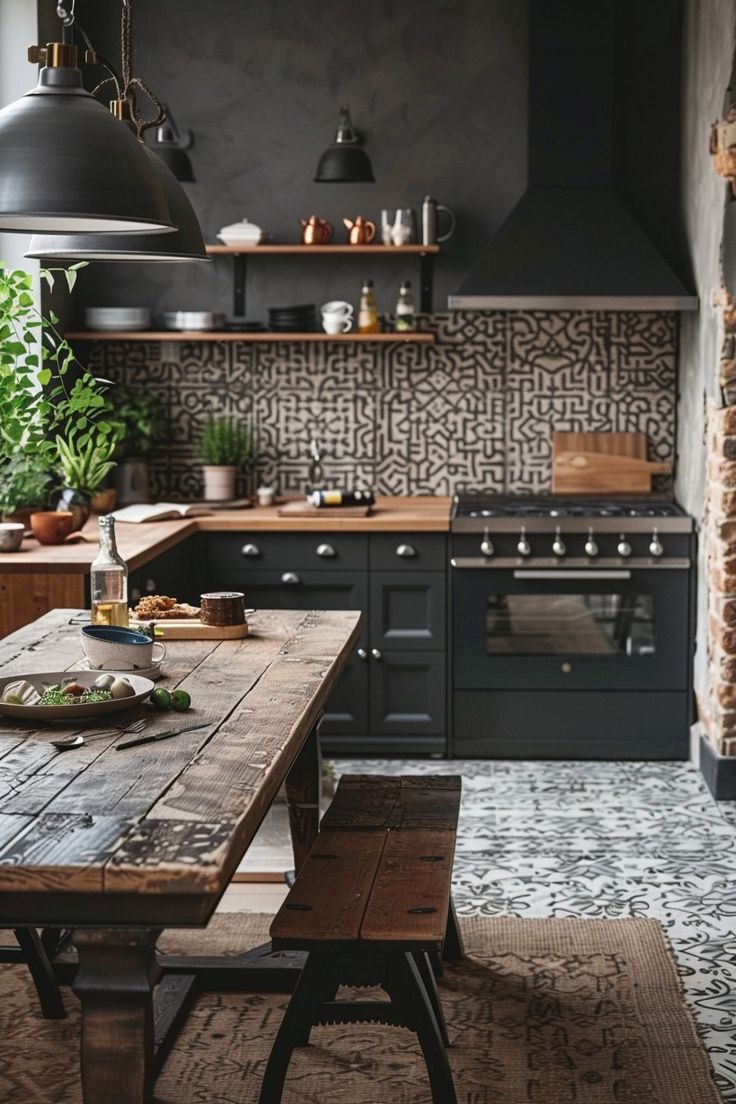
x: 655, y: 545
x: 623, y: 547
x: 523, y: 547
x: 591, y: 548
x: 486, y: 545
x: 558, y: 545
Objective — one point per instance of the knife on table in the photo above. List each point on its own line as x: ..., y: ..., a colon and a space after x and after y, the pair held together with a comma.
x: 153, y: 736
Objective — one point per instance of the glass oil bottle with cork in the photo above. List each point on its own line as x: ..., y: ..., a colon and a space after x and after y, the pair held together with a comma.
x: 367, y: 313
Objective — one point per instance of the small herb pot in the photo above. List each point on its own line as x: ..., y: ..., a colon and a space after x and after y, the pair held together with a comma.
x: 219, y: 482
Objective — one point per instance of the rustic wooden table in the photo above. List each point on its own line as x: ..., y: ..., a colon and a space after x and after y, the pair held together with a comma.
x: 116, y: 845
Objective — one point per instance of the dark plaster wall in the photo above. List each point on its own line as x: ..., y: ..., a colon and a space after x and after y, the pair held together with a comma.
x: 439, y: 90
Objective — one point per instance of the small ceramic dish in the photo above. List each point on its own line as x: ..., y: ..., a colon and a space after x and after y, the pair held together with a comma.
x: 115, y: 648
x: 11, y: 535
x: 142, y: 687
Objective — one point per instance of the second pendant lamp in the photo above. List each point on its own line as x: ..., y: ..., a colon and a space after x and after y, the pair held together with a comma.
x: 185, y: 244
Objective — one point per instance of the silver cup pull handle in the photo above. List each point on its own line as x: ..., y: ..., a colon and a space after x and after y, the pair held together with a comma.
x: 251, y: 550
x: 290, y: 578
x: 326, y: 551
x: 406, y: 551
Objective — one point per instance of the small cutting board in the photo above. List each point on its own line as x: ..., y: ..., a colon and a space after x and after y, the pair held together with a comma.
x: 305, y: 509
x: 194, y: 630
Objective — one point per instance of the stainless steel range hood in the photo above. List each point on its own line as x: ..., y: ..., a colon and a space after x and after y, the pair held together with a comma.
x: 570, y: 243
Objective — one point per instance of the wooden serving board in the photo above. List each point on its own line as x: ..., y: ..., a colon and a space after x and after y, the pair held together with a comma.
x: 191, y: 629
x: 305, y: 509
x: 598, y: 473
x: 610, y: 444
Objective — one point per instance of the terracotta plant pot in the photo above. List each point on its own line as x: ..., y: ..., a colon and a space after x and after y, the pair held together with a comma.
x: 104, y: 501
x: 219, y: 482
x: 52, y: 526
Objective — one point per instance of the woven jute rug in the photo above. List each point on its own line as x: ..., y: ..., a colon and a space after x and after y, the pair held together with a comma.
x: 551, y: 1011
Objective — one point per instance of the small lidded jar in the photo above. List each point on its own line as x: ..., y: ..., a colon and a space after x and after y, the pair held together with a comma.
x: 222, y: 607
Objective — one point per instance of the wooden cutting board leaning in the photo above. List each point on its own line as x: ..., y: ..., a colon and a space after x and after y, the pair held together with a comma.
x: 603, y: 463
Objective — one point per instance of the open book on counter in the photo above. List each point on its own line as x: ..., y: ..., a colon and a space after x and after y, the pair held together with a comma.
x: 173, y: 511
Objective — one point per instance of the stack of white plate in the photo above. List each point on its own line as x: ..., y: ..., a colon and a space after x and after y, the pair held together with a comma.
x: 241, y: 233
x: 117, y: 318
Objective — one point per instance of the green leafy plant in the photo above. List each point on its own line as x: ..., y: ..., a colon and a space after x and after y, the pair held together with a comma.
x: 45, y: 393
x: 142, y: 421
x: 224, y: 441
x: 86, y: 466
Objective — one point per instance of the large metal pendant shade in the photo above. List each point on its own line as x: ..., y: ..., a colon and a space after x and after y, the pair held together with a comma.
x: 185, y: 244
x: 67, y: 166
x: 345, y: 161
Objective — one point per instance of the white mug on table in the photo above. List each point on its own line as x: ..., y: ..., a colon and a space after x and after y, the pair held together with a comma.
x: 337, y: 316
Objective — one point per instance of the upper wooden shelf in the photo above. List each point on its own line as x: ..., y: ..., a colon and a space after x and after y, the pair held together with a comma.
x: 229, y: 335
x: 296, y: 247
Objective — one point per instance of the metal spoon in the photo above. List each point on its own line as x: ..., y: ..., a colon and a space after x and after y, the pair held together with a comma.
x: 79, y: 740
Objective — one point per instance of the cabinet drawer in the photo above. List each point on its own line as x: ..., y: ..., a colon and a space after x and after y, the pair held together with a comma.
x: 408, y: 552
x: 293, y: 551
x: 300, y: 590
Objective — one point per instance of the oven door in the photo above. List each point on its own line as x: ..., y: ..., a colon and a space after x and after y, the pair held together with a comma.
x: 550, y: 628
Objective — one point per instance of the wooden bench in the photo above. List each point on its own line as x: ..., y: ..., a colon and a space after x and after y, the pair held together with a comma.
x: 372, y: 906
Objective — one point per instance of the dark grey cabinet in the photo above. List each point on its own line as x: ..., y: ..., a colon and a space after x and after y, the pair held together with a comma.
x: 392, y: 696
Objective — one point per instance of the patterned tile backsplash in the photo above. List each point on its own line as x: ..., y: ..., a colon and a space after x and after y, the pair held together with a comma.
x: 475, y: 410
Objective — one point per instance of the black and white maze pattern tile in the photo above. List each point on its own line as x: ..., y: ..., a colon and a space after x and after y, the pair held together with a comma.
x: 474, y: 410
x: 606, y: 840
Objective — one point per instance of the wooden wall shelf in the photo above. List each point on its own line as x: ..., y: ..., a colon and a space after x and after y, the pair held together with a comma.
x: 298, y: 248
x: 229, y: 335
x: 241, y: 253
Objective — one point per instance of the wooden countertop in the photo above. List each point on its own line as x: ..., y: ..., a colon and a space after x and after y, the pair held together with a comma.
x: 139, y: 544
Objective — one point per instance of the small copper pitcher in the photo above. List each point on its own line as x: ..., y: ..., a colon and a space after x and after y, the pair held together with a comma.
x: 361, y: 231
x: 315, y: 230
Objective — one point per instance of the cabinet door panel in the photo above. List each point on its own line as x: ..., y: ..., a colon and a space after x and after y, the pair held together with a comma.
x: 408, y: 611
x: 408, y: 694
x: 346, y: 712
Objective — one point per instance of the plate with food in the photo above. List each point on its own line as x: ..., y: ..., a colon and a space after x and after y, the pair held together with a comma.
x: 71, y: 695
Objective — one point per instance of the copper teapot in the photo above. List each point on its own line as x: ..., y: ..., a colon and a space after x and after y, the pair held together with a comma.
x: 315, y: 231
x: 361, y: 231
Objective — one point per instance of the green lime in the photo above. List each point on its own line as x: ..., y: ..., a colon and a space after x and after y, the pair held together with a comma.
x: 161, y: 698
x: 180, y: 701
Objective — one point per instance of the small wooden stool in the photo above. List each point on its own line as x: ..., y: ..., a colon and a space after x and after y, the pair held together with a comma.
x: 372, y: 907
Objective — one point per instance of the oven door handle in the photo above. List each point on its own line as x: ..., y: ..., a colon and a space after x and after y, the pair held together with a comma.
x: 552, y: 573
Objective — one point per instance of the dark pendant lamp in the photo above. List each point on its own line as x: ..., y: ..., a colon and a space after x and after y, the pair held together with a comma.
x: 171, y: 145
x: 345, y: 161
x: 67, y: 166
x: 185, y: 244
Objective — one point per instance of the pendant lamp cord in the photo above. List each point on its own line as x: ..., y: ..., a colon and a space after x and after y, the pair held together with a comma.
x: 131, y: 83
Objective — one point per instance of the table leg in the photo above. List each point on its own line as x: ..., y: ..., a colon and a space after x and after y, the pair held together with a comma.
x: 303, y: 790
x: 114, y: 982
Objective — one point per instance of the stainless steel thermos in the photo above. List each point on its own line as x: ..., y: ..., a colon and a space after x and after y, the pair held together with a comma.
x: 431, y: 210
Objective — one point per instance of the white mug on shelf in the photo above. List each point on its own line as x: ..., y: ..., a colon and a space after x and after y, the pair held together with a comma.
x: 337, y: 316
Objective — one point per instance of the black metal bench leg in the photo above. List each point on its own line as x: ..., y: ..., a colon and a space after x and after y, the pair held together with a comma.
x: 406, y: 989
x: 49, y: 995
x: 452, y: 949
x: 296, y: 1025
x: 430, y: 984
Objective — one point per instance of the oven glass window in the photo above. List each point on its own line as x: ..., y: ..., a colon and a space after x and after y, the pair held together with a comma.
x: 570, y: 624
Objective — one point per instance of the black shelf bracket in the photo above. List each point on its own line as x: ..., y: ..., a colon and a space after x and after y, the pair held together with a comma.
x: 240, y: 276
x: 426, y: 282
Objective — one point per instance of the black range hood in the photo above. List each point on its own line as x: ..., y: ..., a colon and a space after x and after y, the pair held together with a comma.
x: 570, y: 242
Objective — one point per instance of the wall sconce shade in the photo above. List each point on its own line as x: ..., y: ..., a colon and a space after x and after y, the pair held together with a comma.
x: 345, y: 161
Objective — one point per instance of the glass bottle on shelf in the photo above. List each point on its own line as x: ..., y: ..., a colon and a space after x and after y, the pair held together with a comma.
x: 367, y: 314
x: 406, y: 319
x: 108, y: 579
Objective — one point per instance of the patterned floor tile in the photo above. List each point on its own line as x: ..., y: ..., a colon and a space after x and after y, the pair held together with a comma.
x: 606, y: 840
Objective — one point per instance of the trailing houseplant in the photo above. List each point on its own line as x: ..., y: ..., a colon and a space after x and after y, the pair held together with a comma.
x: 143, y: 427
x: 223, y: 446
x: 45, y: 393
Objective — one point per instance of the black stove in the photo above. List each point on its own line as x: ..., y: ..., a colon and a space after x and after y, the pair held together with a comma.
x: 552, y: 506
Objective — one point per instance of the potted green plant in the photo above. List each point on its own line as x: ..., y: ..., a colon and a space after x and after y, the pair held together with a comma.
x: 85, y: 461
x: 224, y: 445
x: 143, y: 427
x: 46, y: 395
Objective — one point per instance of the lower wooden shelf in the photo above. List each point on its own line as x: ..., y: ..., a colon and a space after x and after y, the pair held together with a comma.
x: 229, y: 335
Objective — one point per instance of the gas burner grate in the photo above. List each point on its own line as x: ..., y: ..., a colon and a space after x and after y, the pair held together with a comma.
x: 480, y: 506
